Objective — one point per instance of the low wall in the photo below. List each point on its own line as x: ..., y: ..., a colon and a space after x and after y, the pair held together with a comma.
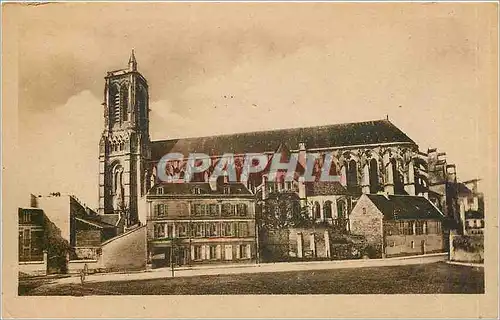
x: 76, y: 266
x: 34, y: 268
x: 467, y: 248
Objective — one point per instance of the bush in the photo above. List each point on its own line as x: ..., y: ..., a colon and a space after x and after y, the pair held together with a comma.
x: 469, y: 243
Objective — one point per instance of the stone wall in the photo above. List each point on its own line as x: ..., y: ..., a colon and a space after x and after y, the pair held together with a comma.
x: 467, y: 248
x: 126, y: 251
x: 366, y: 220
x: 34, y: 268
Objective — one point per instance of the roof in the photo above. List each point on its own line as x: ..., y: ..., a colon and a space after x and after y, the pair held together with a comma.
x: 111, y: 219
x: 336, y: 135
x: 320, y: 188
x: 473, y: 214
x: 96, y: 223
x: 401, y: 207
x: 170, y: 189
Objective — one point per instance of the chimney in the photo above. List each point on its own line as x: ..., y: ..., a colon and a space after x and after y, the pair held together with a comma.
x: 264, y: 187
x: 302, y: 188
x: 302, y: 155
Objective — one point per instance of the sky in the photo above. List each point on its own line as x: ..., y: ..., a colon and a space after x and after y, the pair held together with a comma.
x: 229, y: 67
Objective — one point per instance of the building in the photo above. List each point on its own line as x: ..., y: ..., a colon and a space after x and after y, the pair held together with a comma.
x: 398, y: 225
x: 199, y: 223
x: 42, y: 250
x: 471, y: 203
x: 370, y: 157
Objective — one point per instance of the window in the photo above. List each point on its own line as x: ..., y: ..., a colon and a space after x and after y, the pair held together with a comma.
x: 199, y: 230
x: 170, y: 229
x: 196, y: 190
x: 182, y: 230
x: 393, y: 244
x: 160, y: 190
x: 245, y: 251
x: 419, y: 227
x: 228, y: 209
x: 243, y: 229
x: 327, y: 209
x: 406, y: 227
x: 227, y: 229
x: 159, y: 230
x: 242, y: 209
x: 316, y: 210
x: 412, y: 244
x: 203, y: 209
x: 352, y: 175
x: 196, y: 209
x: 211, y: 229
x: 226, y: 190
x: 161, y: 210
x: 214, y: 209
x: 27, y: 237
x: 228, y: 252
x: 373, y: 173
x: 364, y: 210
x: 212, y: 252
x: 197, y: 253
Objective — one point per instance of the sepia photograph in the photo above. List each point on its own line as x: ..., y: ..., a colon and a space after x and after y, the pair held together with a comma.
x: 296, y: 155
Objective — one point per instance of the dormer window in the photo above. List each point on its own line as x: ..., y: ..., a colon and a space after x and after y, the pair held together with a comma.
x: 197, y: 190
x: 226, y: 190
x: 159, y: 190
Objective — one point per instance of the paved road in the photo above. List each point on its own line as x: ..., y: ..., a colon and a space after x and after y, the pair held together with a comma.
x: 255, y: 268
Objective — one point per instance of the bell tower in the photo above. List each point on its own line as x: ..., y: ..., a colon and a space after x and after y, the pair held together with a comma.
x: 124, y: 148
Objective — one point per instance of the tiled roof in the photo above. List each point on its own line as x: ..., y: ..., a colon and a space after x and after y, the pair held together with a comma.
x: 320, y: 188
x: 337, y: 135
x: 204, y: 188
x: 399, y: 207
x: 111, y: 219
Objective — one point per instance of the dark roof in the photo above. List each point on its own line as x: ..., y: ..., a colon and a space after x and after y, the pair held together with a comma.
x: 336, y: 135
x: 111, y: 219
x: 188, y: 189
x: 319, y: 188
x: 399, y: 207
x: 96, y: 223
x: 472, y: 214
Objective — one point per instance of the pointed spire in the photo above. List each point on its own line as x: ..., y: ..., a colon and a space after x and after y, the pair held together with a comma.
x: 132, y: 63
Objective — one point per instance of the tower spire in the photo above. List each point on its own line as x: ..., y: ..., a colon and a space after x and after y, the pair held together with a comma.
x: 132, y: 63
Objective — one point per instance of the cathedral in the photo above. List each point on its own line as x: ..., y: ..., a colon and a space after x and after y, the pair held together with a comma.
x: 205, y: 221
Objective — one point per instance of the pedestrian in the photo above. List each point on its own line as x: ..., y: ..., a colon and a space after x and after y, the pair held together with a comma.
x: 82, y: 276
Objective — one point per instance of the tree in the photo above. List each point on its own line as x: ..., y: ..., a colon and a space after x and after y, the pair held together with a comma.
x: 284, y: 210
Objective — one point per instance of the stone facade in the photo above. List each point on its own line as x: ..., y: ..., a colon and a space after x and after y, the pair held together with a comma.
x: 124, y: 146
x: 367, y: 220
x: 398, y: 235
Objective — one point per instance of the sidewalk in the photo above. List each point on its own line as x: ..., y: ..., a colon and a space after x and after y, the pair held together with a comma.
x: 255, y: 268
x: 467, y: 264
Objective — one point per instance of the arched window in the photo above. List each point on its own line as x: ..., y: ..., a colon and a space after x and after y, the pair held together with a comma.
x: 374, y: 184
x: 340, y: 209
x: 316, y: 210
x: 327, y: 209
x: 352, y: 175
x: 398, y: 181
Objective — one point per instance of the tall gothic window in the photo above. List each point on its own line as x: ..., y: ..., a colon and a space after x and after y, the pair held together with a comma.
x: 124, y: 101
x: 374, y: 184
x: 398, y: 179
x: 352, y: 175
x: 327, y: 209
x: 114, y: 100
